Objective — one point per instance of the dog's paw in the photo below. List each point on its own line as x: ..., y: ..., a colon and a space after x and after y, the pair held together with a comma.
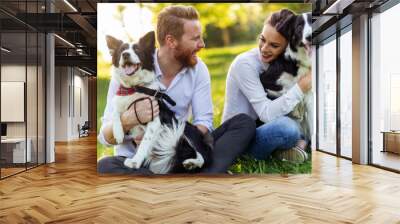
x: 136, y: 162
x: 191, y: 164
x: 129, y: 163
x: 118, y: 135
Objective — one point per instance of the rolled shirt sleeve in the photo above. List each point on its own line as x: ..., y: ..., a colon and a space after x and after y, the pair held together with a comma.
x: 248, y: 80
x: 202, y: 108
x: 107, y: 116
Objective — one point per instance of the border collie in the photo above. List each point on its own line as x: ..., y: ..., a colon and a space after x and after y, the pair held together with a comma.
x: 168, y: 145
x: 287, y: 69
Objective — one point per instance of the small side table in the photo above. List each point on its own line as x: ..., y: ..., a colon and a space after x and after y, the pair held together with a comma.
x: 391, y: 141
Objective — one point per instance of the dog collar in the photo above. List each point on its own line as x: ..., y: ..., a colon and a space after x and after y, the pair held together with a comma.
x: 123, y: 91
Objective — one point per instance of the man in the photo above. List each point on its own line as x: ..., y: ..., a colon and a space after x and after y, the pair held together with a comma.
x: 185, y: 78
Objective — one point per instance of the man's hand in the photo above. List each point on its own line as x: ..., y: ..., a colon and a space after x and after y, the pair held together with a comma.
x: 129, y: 119
x: 203, y: 129
x: 143, y: 111
x: 138, y: 139
x: 305, y: 82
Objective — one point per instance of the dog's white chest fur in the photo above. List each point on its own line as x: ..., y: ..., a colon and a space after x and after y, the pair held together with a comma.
x: 303, y: 111
x: 122, y: 103
x: 157, y: 149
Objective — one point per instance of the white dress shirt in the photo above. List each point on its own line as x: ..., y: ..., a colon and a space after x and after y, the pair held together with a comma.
x: 190, y: 89
x: 245, y: 93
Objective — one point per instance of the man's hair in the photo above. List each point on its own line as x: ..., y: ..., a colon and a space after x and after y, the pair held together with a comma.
x: 280, y: 21
x: 171, y: 20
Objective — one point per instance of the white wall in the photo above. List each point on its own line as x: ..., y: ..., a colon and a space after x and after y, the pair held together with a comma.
x: 61, y: 103
x: 13, y: 73
x: 33, y: 126
x: 80, y: 88
x: 69, y: 85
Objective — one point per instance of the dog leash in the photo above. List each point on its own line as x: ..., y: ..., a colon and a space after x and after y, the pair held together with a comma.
x: 151, y: 92
x: 123, y: 91
x: 157, y: 94
x: 134, y: 107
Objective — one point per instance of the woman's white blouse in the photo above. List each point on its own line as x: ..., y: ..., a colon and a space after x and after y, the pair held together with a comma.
x: 245, y: 93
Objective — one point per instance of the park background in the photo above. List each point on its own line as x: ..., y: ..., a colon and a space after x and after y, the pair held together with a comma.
x: 228, y: 30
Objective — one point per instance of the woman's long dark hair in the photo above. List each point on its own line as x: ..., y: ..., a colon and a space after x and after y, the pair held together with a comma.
x: 279, y: 21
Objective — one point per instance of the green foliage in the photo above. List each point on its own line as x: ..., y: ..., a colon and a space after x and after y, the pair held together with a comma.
x: 227, y: 23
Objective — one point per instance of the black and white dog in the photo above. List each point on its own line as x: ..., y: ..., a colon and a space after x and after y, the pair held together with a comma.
x: 168, y: 145
x: 284, y: 72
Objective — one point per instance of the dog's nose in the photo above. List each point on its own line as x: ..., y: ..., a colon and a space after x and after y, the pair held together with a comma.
x: 125, y: 55
x: 308, y: 38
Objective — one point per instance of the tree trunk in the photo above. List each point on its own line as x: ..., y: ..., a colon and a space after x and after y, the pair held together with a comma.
x: 226, y: 39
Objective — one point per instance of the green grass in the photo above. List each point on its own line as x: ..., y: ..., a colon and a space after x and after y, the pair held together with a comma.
x: 102, y: 87
x: 248, y: 165
x: 218, y: 61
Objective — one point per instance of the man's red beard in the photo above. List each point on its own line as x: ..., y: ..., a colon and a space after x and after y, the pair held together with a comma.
x: 185, y: 57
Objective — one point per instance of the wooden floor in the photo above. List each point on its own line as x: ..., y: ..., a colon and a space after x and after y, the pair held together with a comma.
x: 387, y: 159
x: 10, y: 171
x: 70, y: 191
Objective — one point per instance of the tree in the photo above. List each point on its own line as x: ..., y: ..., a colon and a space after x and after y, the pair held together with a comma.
x: 226, y: 15
x: 221, y: 15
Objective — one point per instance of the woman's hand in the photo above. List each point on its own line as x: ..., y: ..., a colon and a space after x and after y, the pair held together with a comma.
x: 305, y: 82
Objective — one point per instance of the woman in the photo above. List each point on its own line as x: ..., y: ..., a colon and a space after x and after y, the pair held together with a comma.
x: 245, y: 94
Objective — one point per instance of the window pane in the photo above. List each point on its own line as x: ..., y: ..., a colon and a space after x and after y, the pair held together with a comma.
x: 346, y: 94
x: 327, y: 97
x: 14, y: 153
x: 22, y: 81
x: 385, y: 84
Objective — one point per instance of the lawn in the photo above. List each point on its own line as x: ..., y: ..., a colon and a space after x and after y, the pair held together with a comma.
x: 218, y: 61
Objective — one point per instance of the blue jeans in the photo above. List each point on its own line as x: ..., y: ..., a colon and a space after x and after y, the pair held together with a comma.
x: 281, y: 133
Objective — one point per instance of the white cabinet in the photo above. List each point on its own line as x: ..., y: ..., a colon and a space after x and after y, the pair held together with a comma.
x: 18, y: 149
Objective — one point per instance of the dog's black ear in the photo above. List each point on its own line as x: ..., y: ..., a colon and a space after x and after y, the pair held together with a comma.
x: 292, y: 33
x: 113, y: 43
x: 298, y: 32
x: 147, y: 45
x: 148, y: 42
x: 309, y: 18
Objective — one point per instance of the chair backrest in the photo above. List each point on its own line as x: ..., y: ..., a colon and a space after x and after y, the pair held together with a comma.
x: 86, y: 125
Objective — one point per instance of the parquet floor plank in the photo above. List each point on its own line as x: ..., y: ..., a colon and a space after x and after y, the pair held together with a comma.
x: 70, y: 191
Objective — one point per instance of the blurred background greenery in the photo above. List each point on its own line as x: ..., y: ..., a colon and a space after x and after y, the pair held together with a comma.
x: 228, y: 29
